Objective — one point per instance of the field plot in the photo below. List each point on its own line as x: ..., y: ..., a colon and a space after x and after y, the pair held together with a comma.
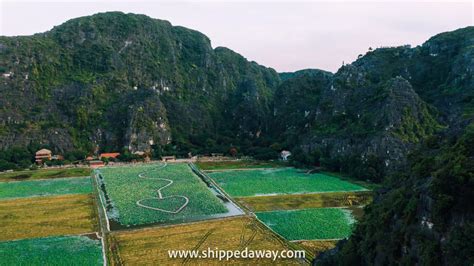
x: 305, y: 201
x: 315, y: 247
x: 66, y: 250
x: 47, y: 216
x: 278, y: 181
x: 238, y: 164
x: 157, y: 193
x: 309, y: 224
x: 79, y: 185
x: 150, y: 246
x: 45, y: 174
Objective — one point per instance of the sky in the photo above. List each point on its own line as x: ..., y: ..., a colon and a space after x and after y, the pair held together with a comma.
x: 284, y: 35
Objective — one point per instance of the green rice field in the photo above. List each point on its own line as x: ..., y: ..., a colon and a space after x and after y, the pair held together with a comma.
x: 279, y: 181
x: 22, y: 189
x: 309, y: 224
x: 65, y: 250
x: 237, y: 164
x: 162, y: 194
x: 44, y: 174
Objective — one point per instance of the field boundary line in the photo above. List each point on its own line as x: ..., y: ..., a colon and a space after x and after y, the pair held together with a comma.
x: 308, y: 193
x: 44, y: 196
x: 101, y: 201
x: 198, y: 172
x: 290, y: 210
x: 104, y: 211
x: 305, y: 193
x: 244, y: 169
x: 50, y: 236
x: 44, y: 179
x: 317, y: 240
x: 158, y: 226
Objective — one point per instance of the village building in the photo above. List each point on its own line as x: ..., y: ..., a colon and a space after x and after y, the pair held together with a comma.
x: 109, y: 155
x: 284, y: 155
x: 89, y: 158
x: 139, y: 153
x: 57, y: 157
x: 168, y: 158
x: 43, y: 155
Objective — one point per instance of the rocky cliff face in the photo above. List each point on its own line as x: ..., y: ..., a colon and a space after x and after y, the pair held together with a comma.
x: 375, y: 110
x: 123, y: 80
x: 344, y: 118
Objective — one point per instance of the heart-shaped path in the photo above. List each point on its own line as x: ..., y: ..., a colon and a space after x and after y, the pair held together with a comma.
x: 160, y: 196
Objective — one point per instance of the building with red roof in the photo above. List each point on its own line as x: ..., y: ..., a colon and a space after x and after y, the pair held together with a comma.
x: 109, y: 155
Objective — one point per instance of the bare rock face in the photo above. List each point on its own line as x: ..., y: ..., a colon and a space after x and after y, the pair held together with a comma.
x: 148, y: 125
x: 346, y: 117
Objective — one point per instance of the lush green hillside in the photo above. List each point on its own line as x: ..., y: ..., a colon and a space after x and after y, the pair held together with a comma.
x: 422, y: 216
x: 123, y: 80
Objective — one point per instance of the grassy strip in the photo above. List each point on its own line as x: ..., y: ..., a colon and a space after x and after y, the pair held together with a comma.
x: 309, y: 224
x: 64, y: 250
x: 279, y: 181
x: 305, y: 201
x: 79, y: 185
x: 222, y: 165
x: 44, y: 174
x: 150, y: 246
x: 47, y: 216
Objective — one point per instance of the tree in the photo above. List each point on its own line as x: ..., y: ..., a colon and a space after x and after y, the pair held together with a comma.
x: 233, y: 151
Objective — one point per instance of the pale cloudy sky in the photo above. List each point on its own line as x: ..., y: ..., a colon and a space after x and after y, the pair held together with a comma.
x: 285, y: 35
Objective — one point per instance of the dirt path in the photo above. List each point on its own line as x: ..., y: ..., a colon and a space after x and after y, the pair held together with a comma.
x: 160, y: 196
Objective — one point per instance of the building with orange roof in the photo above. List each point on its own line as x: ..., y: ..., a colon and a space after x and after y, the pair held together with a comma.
x: 109, y: 155
x: 43, y: 155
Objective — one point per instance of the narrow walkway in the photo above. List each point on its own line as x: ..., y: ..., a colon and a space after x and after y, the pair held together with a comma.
x: 160, y: 195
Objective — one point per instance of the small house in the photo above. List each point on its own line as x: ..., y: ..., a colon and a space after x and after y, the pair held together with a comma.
x: 43, y: 155
x: 284, y: 155
x: 139, y: 153
x: 168, y: 158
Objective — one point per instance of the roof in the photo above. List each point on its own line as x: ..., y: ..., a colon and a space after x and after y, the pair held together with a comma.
x: 43, y: 151
x: 110, y: 154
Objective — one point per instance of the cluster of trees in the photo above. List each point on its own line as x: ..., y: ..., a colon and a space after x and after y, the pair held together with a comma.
x: 16, y: 158
x: 19, y: 158
x: 369, y: 167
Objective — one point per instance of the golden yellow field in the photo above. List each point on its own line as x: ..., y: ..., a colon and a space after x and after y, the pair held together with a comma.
x: 304, y: 201
x: 315, y: 247
x: 150, y: 246
x: 47, y: 216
